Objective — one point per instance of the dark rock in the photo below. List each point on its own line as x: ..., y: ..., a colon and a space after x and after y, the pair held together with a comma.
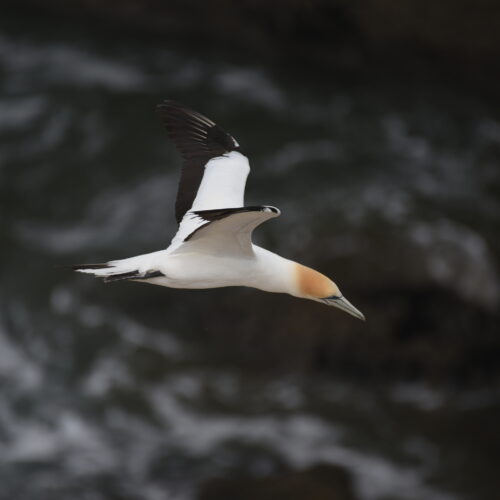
x: 320, y: 482
x: 336, y: 32
x: 413, y: 331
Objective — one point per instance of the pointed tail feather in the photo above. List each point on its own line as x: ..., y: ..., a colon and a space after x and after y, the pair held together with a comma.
x: 133, y: 275
x: 122, y: 276
x: 81, y: 267
x: 109, y: 271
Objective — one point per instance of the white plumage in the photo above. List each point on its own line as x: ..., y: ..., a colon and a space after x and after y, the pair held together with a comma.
x: 213, y: 245
x: 223, y: 183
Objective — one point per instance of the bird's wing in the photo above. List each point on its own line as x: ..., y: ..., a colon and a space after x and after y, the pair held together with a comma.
x: 223, y: 231
x: 214, y: 172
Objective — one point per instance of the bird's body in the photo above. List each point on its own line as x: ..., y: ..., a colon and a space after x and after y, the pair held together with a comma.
x: 263, y: 270
x: 213, y: 245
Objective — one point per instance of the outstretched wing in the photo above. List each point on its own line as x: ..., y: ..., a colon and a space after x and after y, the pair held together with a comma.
x: 214, y: 172
x: 224, y: 231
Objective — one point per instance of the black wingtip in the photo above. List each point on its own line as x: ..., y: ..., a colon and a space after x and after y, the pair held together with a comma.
x: 198, y: 139
x: 170, y: 103
x: 163, y: 106
x: 193, y: 133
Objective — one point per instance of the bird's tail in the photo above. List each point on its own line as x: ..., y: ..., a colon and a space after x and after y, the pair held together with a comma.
x: 109, y: 272
x: 139, y: 267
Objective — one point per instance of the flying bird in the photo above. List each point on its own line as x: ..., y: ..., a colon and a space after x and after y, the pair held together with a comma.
x: 213, y: 244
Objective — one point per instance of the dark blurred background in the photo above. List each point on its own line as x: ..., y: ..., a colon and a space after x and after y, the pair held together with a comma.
x: 375, y: 127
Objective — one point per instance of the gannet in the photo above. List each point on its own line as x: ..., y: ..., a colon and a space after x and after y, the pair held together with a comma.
x: 213, y: 245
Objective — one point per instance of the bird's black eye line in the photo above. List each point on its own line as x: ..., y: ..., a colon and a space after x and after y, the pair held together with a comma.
x: 334, y: 297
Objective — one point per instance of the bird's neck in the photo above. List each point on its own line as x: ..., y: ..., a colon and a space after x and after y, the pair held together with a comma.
x: 275, y: 273
x: 281, y: 275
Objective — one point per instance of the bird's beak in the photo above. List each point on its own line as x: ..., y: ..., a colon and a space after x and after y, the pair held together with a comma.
x: 345, y: 305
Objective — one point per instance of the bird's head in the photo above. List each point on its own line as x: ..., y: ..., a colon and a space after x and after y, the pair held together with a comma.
x: 311, y: 284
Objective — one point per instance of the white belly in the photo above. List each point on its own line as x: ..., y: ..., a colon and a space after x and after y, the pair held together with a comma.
x: 263, y: 270
x: 206, y: 271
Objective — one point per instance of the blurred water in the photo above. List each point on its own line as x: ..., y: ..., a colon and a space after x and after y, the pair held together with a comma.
x: 106, y: 391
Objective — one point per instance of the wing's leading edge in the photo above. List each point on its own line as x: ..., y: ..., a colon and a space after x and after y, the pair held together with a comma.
x: 224, y: 231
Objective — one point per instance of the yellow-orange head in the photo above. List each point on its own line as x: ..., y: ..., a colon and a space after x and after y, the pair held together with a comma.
x: 314, y: 285
x: 311, y: 284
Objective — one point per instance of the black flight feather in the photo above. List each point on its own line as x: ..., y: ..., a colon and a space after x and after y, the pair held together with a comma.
x: 198, y: 139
